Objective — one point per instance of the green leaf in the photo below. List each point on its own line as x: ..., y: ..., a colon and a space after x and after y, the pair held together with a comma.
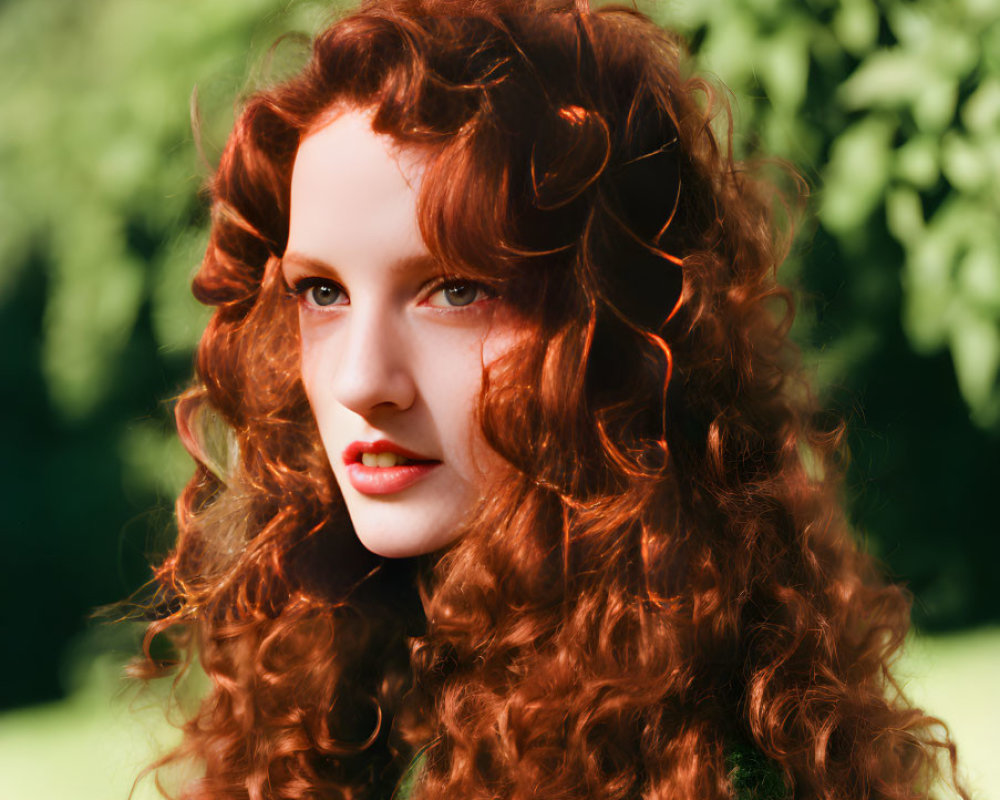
x: 979, y: 278
x: 934, y: 106
x: 857, y: 174
x: 178, y: 319
x: 928, y: 289
x: 855, y: 25
x: 917, y: 161
x: 981, y: 112
x: 963, y: 164
x: 154, y: 459
x: 784, y: 67
x: 93, y: 301
x: 904, y: 214
x: 885, y: 79
x: 975, y: 347
x: 730, y: 46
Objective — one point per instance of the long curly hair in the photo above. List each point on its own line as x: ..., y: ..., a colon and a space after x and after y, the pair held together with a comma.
x: 661, y: 574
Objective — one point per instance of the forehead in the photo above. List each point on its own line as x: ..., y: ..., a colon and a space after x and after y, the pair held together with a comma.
x: 352, y: 189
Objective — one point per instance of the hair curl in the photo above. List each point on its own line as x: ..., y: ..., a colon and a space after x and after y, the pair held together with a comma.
x: 664, y: 569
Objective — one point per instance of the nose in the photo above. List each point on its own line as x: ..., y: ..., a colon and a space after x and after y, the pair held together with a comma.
x: 373, y: 372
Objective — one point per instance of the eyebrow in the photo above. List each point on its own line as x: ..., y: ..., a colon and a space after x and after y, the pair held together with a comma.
x: 312, y: 264
x: 308, y: 263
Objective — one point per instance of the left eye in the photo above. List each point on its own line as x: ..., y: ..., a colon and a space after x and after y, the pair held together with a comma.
x: 458, y: 293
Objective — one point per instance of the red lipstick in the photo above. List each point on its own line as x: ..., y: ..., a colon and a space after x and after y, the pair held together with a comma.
x: 375, y: 480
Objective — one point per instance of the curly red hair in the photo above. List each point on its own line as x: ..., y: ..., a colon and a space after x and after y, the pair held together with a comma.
x: 663, y: 572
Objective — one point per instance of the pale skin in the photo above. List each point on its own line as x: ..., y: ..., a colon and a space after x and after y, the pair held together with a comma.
x: 393, y: 346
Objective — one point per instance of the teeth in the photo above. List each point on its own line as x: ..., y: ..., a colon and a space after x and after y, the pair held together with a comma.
x: 383, y: 460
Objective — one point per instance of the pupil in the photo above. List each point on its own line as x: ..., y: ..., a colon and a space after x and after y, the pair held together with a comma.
x: 460, y: 294
x: 323, y: 295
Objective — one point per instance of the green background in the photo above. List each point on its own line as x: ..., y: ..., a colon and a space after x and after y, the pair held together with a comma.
x: 890, y: 110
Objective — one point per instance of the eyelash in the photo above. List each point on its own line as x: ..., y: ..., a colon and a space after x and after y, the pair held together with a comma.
x: 301, y: 288
x: 487, y: 291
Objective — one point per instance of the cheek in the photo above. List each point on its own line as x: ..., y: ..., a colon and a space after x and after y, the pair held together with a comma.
x: 508, y: 329
x: 455, y: 398
x: 307, y: 367
x: 315, y: 369
x: 452, y: 390
x: 449, y: 372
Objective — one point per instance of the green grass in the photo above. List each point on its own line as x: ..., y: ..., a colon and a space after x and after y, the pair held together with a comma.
x: 93, y: 745
x: 90, y: 746
x: 956, y: 678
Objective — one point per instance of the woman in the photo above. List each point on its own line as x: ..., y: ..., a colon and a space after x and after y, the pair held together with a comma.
x: 494, y: 302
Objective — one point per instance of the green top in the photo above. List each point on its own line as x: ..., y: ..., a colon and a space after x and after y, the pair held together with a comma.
x: 404, y: 788
x: 752, y: 775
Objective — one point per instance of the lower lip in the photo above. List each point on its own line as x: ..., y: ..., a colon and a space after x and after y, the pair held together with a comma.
x: 387, y: 480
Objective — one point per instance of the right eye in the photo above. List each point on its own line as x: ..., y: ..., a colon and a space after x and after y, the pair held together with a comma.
x: 320, y: 292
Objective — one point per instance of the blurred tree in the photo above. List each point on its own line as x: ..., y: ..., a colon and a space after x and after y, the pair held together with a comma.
x: 894, y: 109
x: 101, y: 228
x: 891, y: 108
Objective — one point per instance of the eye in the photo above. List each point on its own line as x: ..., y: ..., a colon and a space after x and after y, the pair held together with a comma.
x: 458, y: 293
x: 320, y: 292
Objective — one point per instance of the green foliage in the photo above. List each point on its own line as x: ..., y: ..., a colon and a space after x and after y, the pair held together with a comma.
x: 891, y: 110
x: 101, y: 229
x: 100, y: 174
x: 894, y: 108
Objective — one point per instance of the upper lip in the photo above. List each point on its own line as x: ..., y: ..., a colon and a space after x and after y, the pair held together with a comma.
x: 352, y: 453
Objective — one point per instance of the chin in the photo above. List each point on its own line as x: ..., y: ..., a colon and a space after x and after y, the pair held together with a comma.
x: 398, y: 541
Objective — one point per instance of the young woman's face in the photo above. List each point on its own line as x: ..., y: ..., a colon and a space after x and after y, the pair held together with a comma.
x: 393, y: 350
